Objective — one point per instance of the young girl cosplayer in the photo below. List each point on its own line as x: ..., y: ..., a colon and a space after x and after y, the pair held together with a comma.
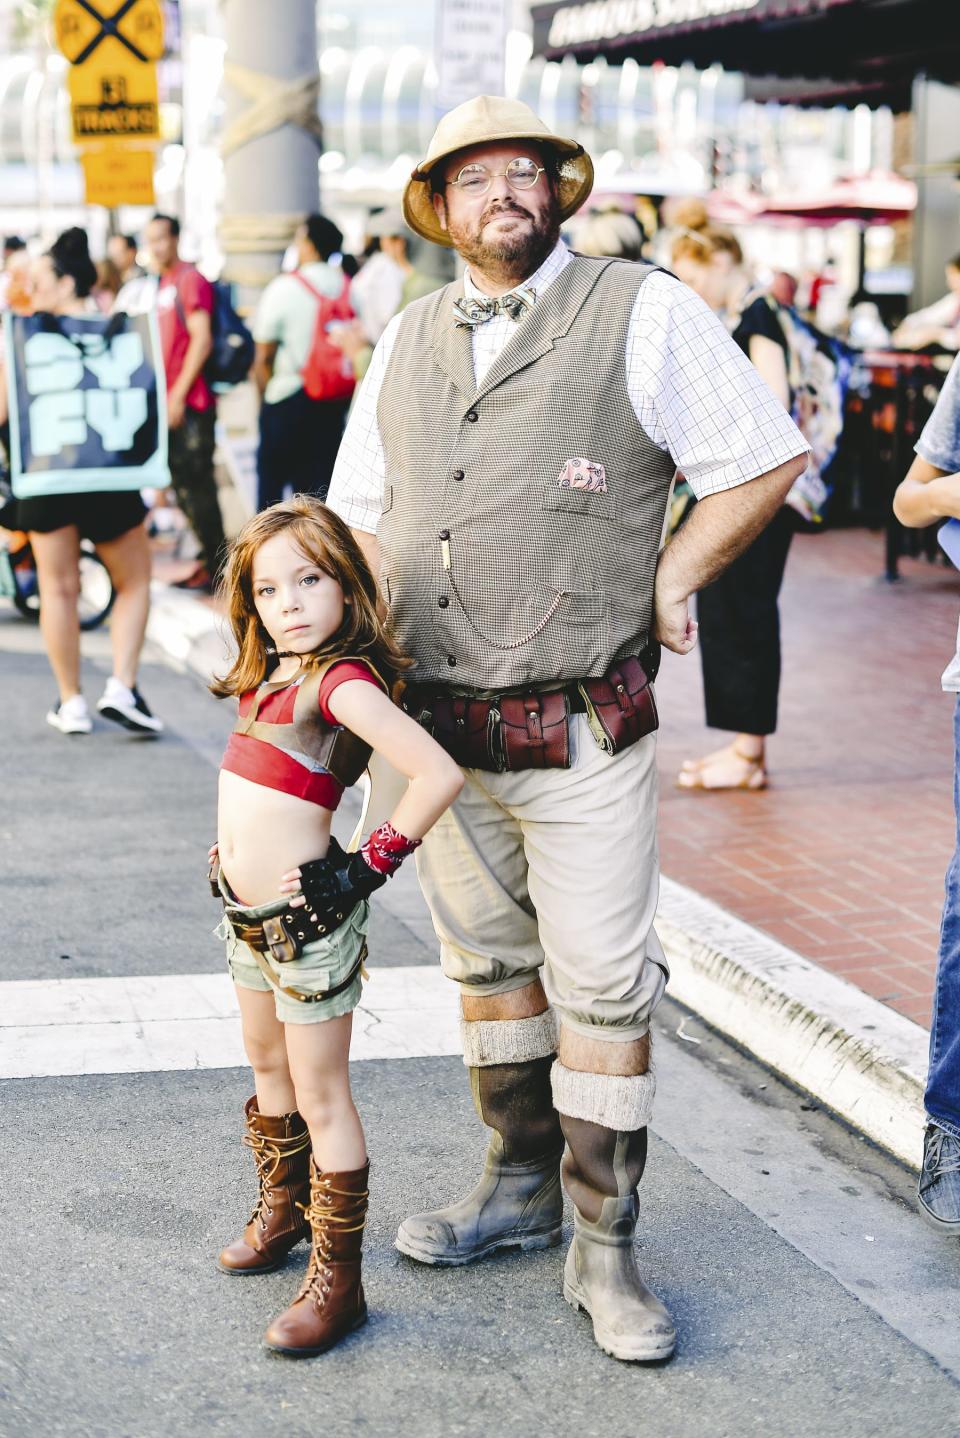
x: 313, y: 674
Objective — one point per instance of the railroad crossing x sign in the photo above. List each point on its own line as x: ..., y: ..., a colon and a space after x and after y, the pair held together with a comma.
x: 82, y: 26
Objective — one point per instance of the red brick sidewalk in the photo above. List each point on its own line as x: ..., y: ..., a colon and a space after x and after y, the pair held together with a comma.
x: 843, y: 857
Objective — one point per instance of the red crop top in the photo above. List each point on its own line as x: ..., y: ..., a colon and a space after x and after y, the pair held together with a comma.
x: 283, y: 769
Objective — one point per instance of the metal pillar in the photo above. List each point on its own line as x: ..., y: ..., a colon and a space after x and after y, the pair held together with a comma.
x: 271, y: 139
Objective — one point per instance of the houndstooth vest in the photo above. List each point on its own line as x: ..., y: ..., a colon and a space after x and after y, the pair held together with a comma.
x: 521, y: 518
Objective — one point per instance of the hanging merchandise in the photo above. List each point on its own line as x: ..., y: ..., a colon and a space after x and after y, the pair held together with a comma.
x: 87, y: 403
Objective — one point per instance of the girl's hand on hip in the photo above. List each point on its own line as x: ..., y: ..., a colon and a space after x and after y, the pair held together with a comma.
x: 290, y: 884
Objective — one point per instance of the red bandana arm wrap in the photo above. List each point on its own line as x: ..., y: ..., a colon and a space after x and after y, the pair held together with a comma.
x: 386, y: 849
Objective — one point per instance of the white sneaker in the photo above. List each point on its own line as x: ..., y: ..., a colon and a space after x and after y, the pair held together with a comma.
x: 72, y: 716
x: 127, y: 707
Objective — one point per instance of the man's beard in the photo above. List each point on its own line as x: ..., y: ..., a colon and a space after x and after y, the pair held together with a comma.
x: 513, y: 255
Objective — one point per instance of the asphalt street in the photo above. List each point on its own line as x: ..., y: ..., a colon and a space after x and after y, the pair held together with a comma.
x: 809, y: 1298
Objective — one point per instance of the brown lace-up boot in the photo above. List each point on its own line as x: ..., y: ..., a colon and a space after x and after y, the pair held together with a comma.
x: 330, y: 1303
x: 281, y: 1151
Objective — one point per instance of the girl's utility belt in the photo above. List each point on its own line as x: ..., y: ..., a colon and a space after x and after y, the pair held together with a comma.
x: 531, y: 731
x: 285, y: 935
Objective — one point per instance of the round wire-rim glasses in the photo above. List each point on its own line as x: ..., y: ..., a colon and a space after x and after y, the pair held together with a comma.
x: 476, y: 179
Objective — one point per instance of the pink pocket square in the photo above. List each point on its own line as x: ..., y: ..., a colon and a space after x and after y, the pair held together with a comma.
x: 583, y: 474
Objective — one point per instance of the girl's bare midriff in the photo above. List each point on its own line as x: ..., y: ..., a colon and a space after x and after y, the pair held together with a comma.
x: 263, y: 834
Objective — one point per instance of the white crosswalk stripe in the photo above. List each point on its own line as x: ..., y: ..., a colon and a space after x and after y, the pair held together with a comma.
x: 190, y: 1021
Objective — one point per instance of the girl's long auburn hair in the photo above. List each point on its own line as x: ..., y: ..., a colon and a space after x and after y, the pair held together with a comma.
x: 327, y: 542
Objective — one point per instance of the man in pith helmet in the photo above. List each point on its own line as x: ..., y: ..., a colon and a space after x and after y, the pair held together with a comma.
x: 507, y: 469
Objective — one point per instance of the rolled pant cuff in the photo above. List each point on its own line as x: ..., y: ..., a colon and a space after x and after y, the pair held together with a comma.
x: 619, y: 1101
x: 508, y: 1041
x: 946, y: 1124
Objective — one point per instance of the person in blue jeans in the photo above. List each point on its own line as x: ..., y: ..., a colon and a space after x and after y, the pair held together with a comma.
x: 931, y: 491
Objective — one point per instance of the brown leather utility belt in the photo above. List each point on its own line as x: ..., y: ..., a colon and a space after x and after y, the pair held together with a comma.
x: 284, y: 938
x: 502, y: 732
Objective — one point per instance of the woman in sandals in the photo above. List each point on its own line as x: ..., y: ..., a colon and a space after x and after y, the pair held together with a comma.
x: 738, y: 613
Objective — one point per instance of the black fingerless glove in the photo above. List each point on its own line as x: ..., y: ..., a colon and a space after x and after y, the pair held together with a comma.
x: 338, y: 882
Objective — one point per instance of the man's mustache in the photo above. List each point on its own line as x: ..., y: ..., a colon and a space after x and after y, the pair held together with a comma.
x: 504, y: 209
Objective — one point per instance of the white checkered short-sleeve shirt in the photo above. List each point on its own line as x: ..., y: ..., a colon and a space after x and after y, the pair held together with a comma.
x: 693, y: 391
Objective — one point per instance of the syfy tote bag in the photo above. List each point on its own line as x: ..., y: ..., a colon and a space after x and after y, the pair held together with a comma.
x: 87, y: 403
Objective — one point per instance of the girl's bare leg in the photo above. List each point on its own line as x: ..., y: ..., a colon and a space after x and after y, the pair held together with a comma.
x: 318, y: 1055
x: 263, y: 1041
x: 58, y: 575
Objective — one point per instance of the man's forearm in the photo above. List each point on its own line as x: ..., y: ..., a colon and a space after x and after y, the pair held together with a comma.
x: 721, y: 527
x: 198, y: 352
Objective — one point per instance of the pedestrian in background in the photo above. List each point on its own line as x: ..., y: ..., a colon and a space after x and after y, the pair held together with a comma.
x: 399, y: 245
x: 184, y: 300
x: 931, y: 491
x: 62, y: 281
x: 108, y: 286
x: 303, y: 610
x: 610, y: 232
x: 938, y: 325
x: 299, y: 436
x: 122, y: 251
x: 738, y: 613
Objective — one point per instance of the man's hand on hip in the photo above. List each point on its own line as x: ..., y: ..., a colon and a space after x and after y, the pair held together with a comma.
x: 672, y: 623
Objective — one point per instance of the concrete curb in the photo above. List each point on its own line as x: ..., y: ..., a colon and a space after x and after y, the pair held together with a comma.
x: 858, y: 1057
x: 190, y: 634
x: 853, y: 1054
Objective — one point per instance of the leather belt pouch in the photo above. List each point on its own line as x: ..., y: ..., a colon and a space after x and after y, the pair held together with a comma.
x: 285, y: 936
x: 462, y: 726
x: 620, y: 706
x: 534, y: 730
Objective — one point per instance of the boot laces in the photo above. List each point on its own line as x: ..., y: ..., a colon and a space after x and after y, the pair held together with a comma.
x: 268, y: 1154
x: 323, y: 1224
x: 936, y: 1162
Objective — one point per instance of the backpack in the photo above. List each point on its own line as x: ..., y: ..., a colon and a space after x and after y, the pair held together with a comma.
x: 327, y: 373
x: 819, y: 372
x: 233, y: 348
x: 232, y: 352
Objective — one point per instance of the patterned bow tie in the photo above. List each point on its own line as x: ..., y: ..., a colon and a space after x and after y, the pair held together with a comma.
x: 470, y: 313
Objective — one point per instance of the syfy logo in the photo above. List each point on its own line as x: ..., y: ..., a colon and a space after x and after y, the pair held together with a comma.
x: 61, y: 414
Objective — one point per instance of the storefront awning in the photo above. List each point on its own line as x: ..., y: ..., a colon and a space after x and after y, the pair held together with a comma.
x: 856, y: 49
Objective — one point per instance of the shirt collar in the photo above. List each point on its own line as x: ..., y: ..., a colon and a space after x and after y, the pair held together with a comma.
x: 540, y: 281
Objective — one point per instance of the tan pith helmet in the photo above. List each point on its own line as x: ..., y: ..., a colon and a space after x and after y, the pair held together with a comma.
x: 490, y: 119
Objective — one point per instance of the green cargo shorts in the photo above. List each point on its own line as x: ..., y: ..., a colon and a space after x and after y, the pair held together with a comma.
x: 322, y: 965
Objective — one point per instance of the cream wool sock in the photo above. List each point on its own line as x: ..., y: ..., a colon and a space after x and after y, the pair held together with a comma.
x: 508, y: 1041
x: 619, y: 1101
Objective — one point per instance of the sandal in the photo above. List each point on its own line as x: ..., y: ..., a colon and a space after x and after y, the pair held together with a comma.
x: 694, y: 771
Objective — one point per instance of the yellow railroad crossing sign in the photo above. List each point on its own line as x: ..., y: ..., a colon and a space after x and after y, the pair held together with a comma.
x: 108, y: 30
x: 116, y: 104
x: 118, y: 176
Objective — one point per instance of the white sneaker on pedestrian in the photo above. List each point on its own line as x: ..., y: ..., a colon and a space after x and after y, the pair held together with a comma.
x: 127, y: 707
x: 72, y: 716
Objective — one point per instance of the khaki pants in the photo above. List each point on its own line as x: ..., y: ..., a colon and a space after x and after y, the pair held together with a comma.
x: 556, y: 870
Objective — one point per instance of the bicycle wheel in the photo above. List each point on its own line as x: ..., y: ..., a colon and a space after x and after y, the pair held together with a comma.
x: 96, y: 587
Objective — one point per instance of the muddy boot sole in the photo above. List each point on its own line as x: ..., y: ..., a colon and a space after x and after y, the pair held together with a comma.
x: 527, y: 1242
x: 629, y: 1350
x: 314, y: 1352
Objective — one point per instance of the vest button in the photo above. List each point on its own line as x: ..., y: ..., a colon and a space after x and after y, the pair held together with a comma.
x: 443, y: 601
x: 472, y: 416
x: 444, y: 534
x: 452, y: 661
x: 458, y: 474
